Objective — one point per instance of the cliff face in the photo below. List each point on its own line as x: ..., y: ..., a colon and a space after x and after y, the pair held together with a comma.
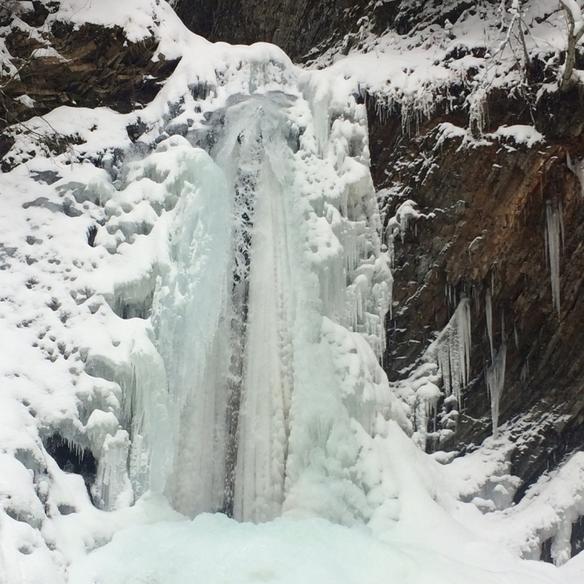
x: 307, y: 29
x: 300, y: 28
x: 56, y: 64
x: 484, y: 210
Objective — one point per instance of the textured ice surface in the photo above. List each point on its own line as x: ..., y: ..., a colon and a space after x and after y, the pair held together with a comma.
x: 453, y: 350
x: 214, y: 549
x: 244, y: 290
x: 457, y: 544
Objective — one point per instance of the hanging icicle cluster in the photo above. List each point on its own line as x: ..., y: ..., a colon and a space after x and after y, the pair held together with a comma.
x: 454, y: 345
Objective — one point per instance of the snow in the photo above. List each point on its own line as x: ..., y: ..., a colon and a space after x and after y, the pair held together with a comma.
x: 214, y: 549
x: 519, y: 134
x: 414, y: 491
x: 47, y: 53
x: 217, y: 346
x: 26, y: 101
x: 398, y: 224
x: 413, y: 73
x: 138, y: 19
x: 548, y: 511
x: 575, y: 567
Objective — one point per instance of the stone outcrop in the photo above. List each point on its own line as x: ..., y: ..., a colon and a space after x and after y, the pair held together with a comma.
x: 88, y: 66
x: 482, y: 230
x: 306, y: 29
x: 301, y: 28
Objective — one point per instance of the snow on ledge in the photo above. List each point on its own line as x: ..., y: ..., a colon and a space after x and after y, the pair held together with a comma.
x: 520, y: 134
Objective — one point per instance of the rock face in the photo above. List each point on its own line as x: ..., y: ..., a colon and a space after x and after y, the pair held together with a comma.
x: 300, y: 28
x: 306, y: 29
x: 89, y: 66
x: 94, y: 66
x: 482, y: 233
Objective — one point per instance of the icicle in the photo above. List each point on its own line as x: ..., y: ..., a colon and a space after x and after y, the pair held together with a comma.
x: 495, y: 378
x: 554, y: 234
x: 489, y: 317
x: 477, y: 115
x: 524, y: 371
x: 112, y: 486
x: 427, y: 397
x: 454, y: 344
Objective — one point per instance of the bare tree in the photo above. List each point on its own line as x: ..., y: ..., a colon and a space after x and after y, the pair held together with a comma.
x: 514, y: 27
x: 521, y: 28
x: 575, y: 20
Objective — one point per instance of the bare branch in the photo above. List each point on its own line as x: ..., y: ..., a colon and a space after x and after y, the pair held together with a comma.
x: 575, y: 32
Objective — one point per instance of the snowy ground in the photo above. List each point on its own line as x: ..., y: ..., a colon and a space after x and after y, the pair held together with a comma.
x: 115, y: 340
x: 216, y: 549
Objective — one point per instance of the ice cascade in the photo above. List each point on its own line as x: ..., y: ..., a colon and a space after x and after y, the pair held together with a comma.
x: 453, y: 350
x: 260, y: 378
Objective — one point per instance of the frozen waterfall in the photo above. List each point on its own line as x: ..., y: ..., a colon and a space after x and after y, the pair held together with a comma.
x: 270, y: 290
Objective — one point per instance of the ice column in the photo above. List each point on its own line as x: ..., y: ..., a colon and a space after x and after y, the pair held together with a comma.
x: 489, y: 319
x: 495, y: 379
x: 192, y: 332
x: 268, y: 374
x: 554, y: 236
x: 495, y: 372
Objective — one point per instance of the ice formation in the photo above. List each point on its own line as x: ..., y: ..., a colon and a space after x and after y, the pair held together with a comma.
x: 495, y: 372
x: 452, y: 348
x: 489, y: 320
x: 554, y: 238
x: 266, y: 293
x: 495, y: 380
